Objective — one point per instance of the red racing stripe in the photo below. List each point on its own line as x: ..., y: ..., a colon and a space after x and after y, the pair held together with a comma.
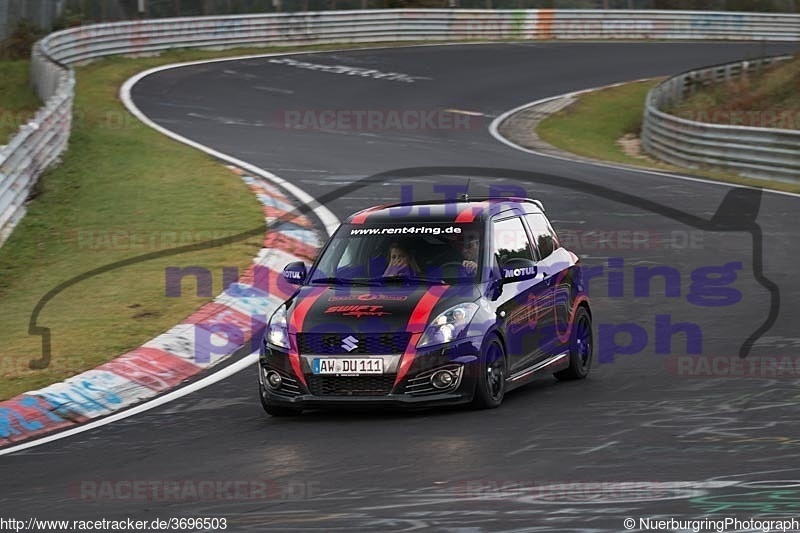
x: 361, y: 216
x: 422, y: 311
x: 416, y: 326
x: 296, y: 324
x: 468, y: 215
x: 407, y: 358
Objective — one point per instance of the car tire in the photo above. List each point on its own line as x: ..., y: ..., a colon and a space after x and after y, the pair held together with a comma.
x: 276, y: 410
x: 581, y: 348
x: 490, y: 386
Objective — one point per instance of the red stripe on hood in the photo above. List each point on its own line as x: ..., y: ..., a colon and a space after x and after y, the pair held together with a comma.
x: 298, y: 316
x: 420, y: 317
x: 361, y: 217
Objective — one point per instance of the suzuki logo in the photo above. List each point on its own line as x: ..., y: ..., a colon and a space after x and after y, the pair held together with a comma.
x: 350, y: 343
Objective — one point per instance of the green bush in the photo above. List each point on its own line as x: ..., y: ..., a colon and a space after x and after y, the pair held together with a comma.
x: 70, y: 18
x: 20, y: 42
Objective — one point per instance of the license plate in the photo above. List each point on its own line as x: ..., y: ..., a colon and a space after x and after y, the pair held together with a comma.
x: 352, y: 366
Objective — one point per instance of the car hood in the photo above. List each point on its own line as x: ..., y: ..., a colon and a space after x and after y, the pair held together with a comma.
x: 358, y: 309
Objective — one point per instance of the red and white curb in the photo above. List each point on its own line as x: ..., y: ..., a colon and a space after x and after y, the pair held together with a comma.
x: 202, y: 340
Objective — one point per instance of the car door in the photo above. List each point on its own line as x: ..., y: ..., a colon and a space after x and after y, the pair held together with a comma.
x: 557, y: 280
x: 524, y: 306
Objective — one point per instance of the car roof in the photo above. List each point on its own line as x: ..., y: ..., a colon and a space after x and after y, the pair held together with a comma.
x: 460, y: 211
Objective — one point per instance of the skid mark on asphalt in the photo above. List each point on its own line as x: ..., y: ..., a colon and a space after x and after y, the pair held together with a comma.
x: 231, y: 72
x: 228, y: 121
x: 598, y: 448
x: 468, y: 113
x: 349, y: 71
x: 272, y: 89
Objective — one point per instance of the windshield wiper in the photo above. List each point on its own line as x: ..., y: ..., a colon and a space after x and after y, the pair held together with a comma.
x: 402, y: 279
x: 344, y: 281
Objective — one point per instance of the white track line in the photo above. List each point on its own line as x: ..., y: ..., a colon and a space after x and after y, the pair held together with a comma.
x: 495, y: 125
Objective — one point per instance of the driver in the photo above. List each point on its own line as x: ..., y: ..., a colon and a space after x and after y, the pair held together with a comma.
x: 469, y: 252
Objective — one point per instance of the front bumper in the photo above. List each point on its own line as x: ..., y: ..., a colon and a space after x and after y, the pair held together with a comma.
x: 398, y: 401
x: 412, y: 391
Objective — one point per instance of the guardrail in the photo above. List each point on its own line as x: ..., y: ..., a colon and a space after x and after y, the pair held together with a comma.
x: 41, y: 142
x: 758, y: 152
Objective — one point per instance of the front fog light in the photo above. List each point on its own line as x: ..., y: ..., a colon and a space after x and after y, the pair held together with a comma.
x: 274, y: 380
x: 442, y: 379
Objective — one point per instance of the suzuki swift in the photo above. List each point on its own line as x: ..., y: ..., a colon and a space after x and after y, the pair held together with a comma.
x: 428, y: 303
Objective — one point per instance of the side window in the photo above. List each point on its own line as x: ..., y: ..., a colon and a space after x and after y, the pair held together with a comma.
x: 510, y: 241
x: 543, y: 234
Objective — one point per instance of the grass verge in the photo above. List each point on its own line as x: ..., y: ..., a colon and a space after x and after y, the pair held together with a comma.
x: 18, y: 101
x: 593, y: 126
x: 769, y: 99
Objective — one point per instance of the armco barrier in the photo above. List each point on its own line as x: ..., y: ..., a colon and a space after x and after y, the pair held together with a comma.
x: 38, y: 143
x: 757, y: 152
x: 42, y: 141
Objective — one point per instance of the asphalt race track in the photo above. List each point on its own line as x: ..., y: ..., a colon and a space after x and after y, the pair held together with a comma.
x: 644, y: 436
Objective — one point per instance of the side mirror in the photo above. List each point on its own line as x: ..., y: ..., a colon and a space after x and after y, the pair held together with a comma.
x: 495, y: 289
x: 518, y: 270
x: 295, y: 273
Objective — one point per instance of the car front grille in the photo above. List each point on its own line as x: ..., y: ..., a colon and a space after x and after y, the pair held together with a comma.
x: 378, y: 385
x: 365, y: 343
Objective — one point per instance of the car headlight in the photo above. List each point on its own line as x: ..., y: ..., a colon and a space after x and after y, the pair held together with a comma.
x: 277, y: 331
x: 448, y: 325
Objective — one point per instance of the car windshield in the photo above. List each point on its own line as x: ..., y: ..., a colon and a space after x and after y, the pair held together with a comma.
x: 423, y: 253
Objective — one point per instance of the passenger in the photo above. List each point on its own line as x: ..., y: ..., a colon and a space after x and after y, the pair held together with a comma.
x: 400, y: 262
